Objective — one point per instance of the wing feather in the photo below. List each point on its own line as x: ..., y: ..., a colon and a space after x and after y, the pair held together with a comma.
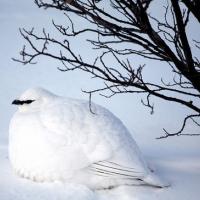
x: 115, y: 170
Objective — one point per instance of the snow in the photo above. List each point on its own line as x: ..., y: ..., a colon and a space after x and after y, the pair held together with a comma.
x: 13, y: 187
x: 175, y: 159
x: 182, y: 171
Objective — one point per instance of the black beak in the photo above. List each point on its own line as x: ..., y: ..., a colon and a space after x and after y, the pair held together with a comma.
x: 17, y: 102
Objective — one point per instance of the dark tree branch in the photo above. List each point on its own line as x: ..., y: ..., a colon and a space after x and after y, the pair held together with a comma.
x: 179, y: 133
x: 127, y: 31
x: 194, y: 7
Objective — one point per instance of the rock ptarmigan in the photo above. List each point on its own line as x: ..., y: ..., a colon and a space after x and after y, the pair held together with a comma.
x: 55, y: 138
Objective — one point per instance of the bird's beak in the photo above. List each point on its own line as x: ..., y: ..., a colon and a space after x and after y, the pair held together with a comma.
x: 16, y: 102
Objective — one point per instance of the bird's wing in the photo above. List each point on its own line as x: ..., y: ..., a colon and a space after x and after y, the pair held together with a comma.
x: 115, y: 170
x: 120, y: 174
x: 74, y: 130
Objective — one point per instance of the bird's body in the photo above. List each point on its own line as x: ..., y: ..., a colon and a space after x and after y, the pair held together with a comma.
x: 55, y: 138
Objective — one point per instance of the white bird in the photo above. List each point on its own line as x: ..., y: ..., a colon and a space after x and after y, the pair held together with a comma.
x: 55, y: 138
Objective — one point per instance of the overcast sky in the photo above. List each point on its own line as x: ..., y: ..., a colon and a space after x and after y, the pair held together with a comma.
x: 15, y: 78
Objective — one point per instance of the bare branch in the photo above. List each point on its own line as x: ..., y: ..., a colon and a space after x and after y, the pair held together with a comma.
x: 123, y: 30
x: 179, y: 133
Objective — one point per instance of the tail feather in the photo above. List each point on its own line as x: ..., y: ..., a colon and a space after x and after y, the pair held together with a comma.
x: 126, y: 175
x: 154, y: 180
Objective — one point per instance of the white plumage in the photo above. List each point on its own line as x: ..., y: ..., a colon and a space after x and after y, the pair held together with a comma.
x: 56, y: 138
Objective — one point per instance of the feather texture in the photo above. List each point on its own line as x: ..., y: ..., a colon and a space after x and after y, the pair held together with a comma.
x: 57, y: 138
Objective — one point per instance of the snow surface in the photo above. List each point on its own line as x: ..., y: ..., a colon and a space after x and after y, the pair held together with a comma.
x: 182, y: 171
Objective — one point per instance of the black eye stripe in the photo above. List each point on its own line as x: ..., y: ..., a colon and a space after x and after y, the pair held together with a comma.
x: 21, y: 102
x: 28, y: 101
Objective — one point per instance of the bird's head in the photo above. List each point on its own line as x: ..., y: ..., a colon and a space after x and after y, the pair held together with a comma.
x: 33, y: 98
